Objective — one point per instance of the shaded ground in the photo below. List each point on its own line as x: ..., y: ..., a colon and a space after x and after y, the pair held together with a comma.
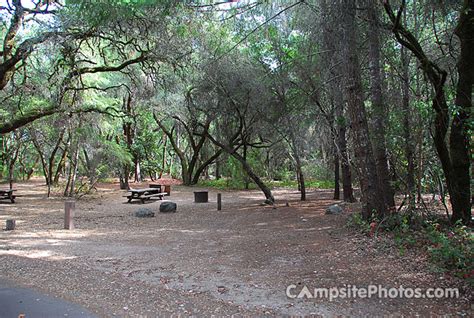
x: 200, y: 261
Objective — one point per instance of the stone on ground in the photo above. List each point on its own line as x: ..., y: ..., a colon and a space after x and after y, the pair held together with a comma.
x: 334, y: 209
x: 167, y: 207
x: 144, y: 213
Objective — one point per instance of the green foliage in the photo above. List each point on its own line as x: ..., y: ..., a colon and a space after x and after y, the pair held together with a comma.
x: 236, y: 184
x: 226, y: 184
x: 452, y: 249
x: 103, y: 12
x: 357, y: 222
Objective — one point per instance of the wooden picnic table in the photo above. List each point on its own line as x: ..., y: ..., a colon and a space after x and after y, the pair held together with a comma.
x: 7, y: 195
x: 145, y: 194
x: 163, y: 187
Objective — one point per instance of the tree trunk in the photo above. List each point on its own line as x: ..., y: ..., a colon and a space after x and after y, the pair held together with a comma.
x: 246, y: 179
x: 409, y: 152
x: 128, y: 134
x: 233, y: 152
x: 378, y: 105
x: 266, y: 190
x: 205, y: 165
x: 11, y: 166
x: 332, y: 45
x: 337, y: 190
x: 71, y: 183
x: 138, y: 174
x: 163, y: 165
x: 459, y: 141
x: 299, y: 172
x: 372, y: 199
x: 454, y: 155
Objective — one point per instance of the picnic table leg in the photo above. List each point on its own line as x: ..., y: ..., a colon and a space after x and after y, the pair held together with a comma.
x: 12, y: 198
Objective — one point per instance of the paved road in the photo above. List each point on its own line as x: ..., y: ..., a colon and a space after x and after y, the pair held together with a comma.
x: 15, y: 301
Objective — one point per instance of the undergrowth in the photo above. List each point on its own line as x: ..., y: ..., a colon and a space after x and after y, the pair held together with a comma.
x: 234, y: 184
x: 450, y: 247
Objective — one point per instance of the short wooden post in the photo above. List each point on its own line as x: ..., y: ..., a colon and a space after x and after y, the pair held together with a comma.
x: 219, y: 201
x: 69, y: 207
x: 10, y: 225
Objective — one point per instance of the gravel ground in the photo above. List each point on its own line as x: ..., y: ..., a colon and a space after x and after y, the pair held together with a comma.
x: 200, y: 261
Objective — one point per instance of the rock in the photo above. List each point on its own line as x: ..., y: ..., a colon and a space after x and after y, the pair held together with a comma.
x: 334, y: 209
x: 167, y: 207
x: 144, y: 213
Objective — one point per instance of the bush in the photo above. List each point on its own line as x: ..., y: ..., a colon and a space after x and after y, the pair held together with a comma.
x: 357, y: 222
x: 452, y: 249
x: 238, y: 184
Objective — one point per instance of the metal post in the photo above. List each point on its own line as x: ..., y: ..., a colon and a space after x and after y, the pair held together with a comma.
x: 219, y: 202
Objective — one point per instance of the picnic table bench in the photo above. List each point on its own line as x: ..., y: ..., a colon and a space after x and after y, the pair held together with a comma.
x: 7, y: 195
x: 145, y: 194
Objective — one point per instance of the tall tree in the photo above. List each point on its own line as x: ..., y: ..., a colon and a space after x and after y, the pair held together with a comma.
x: 372, y: 198
x: 378, y: 104
x: 451, y: 129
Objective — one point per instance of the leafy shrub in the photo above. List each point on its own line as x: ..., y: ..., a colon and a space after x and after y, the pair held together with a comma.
x: 357, y: 222
x: 452, y: 249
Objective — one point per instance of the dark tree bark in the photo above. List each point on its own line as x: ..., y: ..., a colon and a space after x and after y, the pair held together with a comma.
x: 409, y: 151
x: 191, y: 169
x: 48, y: 164
x: 347, y: 190
x: 337, y: 187
x: 372, y: 199
x: 332, y: 46
x: 299, y: 172
x: 460, y: 138
x: 378, y: 105
x: 233, y: 151
x: 453, y: 152
x: 129, y: 135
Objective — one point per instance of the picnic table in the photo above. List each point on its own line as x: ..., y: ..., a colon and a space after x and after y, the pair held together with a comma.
x: 163, y: 187
x: 145, y: 194
x: 7, y: 195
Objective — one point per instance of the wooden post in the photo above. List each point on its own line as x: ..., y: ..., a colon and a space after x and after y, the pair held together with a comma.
x: 219, y: 201
x: 69, y: 207
x: 10, y: 225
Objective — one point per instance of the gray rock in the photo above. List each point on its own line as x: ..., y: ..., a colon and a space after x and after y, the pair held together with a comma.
x: 167, y: 207
x: 144, y: 213
x: 334, y: 209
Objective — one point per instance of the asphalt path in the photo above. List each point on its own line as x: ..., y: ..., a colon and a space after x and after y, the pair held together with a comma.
x: 18, y: 300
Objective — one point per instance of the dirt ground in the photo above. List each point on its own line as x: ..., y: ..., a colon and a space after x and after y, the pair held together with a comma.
x: 200, y: 261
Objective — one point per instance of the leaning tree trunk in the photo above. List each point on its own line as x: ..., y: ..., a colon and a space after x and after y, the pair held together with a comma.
x: 233, y: 152
x: 453, y: 155
x: 372, y: 198
x: 266, y: 190
x: 378, y: 105
x: 205, y: 164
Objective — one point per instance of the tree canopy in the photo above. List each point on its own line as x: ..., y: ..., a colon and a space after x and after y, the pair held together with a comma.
x: 376, y: 95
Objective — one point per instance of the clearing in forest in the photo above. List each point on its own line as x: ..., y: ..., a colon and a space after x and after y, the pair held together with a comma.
x: 201, y: 261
